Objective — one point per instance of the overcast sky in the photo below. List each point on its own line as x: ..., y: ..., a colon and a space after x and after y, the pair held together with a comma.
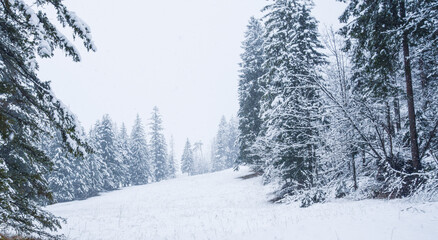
x: 181, y: 56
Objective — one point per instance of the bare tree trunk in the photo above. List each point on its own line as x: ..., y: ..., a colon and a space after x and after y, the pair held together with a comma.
x: 397, y: 114
x: 390, y: 130
x: 353, y: 165
x: 410, y: 96
x: 363, y: 158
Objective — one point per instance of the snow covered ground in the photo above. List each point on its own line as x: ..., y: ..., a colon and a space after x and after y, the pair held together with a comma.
x: 222, y: 206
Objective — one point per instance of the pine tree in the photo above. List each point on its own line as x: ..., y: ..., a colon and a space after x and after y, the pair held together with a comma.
x: 221, y: 160
x: 99, y: 173
x: 140, y: 166
x: 250, y: 91
x: 29, y: 109
x: 59, y: 178
x: 187, y: 162
x: 107, y: 149
x: 172, y: 166
x: 158, y: 147
x: 69, y: 179
x: 291, y: 103
x: 124, y: 154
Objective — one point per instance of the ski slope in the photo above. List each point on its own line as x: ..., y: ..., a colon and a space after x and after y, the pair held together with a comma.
x: 222, y: 206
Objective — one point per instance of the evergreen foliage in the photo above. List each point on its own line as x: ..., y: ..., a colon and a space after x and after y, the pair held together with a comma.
x: 250, y: 90
x: 290, y: 105
x: 106, y: 147
x: 172, y: 166
x: 158, y: 147
x: 220, y: 160
x: 140, y: 165
x: 362, y: 125
x: 225, y: 146
x: 124, y: 153
x: 29, y: 110
x: 187, y: 161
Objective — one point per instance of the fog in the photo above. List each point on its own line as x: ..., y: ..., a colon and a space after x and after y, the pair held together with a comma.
x: 181, y: 56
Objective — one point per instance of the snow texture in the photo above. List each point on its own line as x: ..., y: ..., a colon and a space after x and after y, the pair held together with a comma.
x: 223, y: 206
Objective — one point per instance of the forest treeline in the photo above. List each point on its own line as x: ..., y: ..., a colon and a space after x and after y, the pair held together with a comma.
x: 349, y: 112
x: 117, y: 159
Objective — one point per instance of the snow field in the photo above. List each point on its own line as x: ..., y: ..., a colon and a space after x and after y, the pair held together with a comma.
x: 222, y: 206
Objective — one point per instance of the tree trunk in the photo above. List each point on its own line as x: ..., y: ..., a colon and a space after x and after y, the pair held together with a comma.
x: 397, y: 114
x: 410, y: 96
x: 353, y: 165
x: 390, y: 130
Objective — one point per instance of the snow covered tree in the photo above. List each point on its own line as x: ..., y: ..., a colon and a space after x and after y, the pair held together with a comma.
x: 250, y: 91
x: 225, y: 149
x: 29, y: 109
x: 172, y: 166
x: 392, y: 43
x: 291, y: 103
x: 106, y: 144
x: 201, y: 165
x: 158, y: 147
x: 187, y: 162
x: 124, y: 153
x: 220, y: 160
x: 99, y: 172
x: 70, y: 178
x: 140, y: 165
x: 60, y: 178
x: 343, y: 149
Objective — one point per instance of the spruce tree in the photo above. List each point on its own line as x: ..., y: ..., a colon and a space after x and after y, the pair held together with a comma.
x: 107, y: 149
x: 99, y: 172
x: 140, y: 165
x: 70, y: 177
x: 158, y: 147
x: 250, y: 91
x: 172, y: 166
x: 221, y: 154
x: 30, y: 109
x: 291, y: 103
x: 187, y: 161
x: 124, y: 153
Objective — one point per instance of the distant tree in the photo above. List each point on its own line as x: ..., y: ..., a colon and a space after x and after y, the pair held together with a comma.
x: 158, y: 147
x: 220, y: 160
x: 200, y: 163
x: 99, y: 172
x: 107, y: 148
x: 172, y: 166
x: 124, y: 153
x: 140, y: 166
x: 60, y: 179
x: 70, y: 178
x: 187, y: 161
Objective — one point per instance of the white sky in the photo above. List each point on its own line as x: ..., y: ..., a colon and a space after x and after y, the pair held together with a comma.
x: 181, y: 56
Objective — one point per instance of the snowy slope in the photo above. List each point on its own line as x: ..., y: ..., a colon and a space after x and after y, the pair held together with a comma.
x: 222, y: 206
